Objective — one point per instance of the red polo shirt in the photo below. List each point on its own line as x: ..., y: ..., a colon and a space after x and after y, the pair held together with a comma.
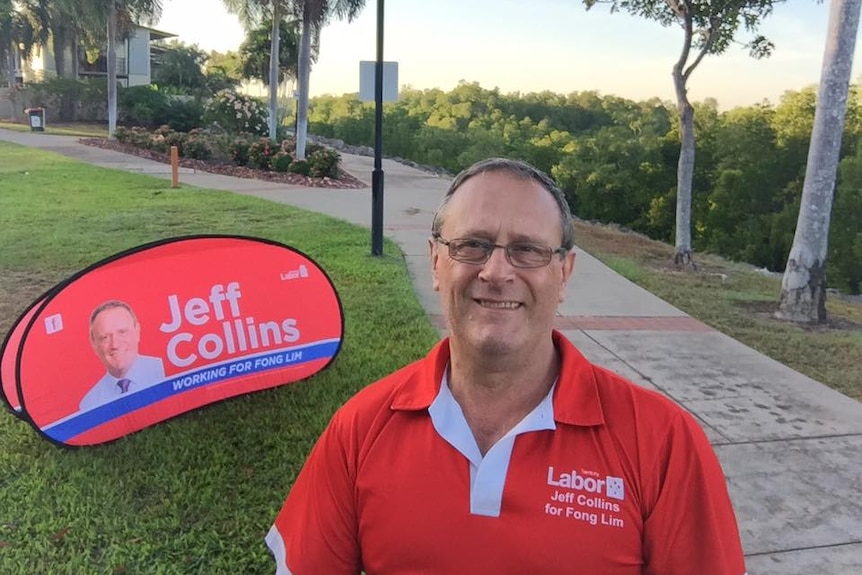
x: 602, y: 477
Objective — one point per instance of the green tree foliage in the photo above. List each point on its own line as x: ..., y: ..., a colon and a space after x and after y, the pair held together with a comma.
x: 254, y: 51
x: 617, y: 159
x: 179, y: 69
x: 708, y: 27
x: 223, y: 71
x: 844, y: 266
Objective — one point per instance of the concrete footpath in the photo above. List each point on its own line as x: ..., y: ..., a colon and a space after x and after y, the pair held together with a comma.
x: 790, y: 446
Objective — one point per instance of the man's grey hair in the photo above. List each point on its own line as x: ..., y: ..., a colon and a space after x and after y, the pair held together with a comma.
x: 111, y: 304
x: 521, y: 170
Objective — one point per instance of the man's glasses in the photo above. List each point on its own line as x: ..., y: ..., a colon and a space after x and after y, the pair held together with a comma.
x: 520, y: 254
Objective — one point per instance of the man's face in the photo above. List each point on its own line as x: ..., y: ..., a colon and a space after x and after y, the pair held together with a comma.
x: 496, y: 308
x: 115, y: 336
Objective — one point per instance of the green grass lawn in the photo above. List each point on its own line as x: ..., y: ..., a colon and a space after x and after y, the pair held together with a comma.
x: 198, y: 493
x: 60, y: 128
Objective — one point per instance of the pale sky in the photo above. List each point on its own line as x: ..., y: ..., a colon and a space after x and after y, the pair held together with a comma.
x: 533, y: 45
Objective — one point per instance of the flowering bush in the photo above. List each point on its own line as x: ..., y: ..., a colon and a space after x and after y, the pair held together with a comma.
x: 135, y: 136
x: 238, y: 150
x: 281, y: 161
x: 171, y: 138
x: 324, y: 163
x: 300, y: 167
x: 260, y: 153
x: 237, y: 113
x: 197, y: 147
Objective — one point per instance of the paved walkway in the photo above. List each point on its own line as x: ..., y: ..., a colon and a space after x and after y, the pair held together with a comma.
x: 790, y: 446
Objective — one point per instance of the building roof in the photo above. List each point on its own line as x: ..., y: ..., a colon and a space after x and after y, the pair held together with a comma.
x: 157, y: 34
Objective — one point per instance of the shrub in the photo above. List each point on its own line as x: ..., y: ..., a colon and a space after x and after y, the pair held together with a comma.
x: 288, y: 145
x: 323, y: 163
x: 66, y: 99
x: 281, y: 162
x: 157, y: 143
x: 197, y: 147
x: 300, y: 167
x: 310, y: 148
x: 141, y: 106
x: 173, y: 138
x: 237, y: 113
x: 238, y: 151
x: 122, y: 134
x: 137, y: 136
x: 183, y: 114
x: 260, y: 153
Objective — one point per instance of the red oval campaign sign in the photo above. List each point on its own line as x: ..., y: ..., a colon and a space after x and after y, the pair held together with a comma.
x: 170, y: 327
x: 8, y: 353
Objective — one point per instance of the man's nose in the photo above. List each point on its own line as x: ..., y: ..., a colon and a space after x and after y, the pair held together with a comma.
x: 497, y: 267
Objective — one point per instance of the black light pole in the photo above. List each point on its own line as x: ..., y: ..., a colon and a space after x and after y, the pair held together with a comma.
x: 377, y: 175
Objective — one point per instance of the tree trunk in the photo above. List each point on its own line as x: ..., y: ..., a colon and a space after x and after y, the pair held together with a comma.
x: 73, y: 73
x: 274, y: 51
x: 13, y: 82
x: 112, y: 69
x: 59, y: 45
x: 10, y: 66
x: 304, y: 74
x: 684, y: 173
x: 803, y: 288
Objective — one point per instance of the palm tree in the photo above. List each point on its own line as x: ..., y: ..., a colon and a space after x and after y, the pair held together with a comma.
x: 17, y: 36
x: 252, y: 13
x: 9, y: 37
x: 315, y: 14
x: 60, y: 21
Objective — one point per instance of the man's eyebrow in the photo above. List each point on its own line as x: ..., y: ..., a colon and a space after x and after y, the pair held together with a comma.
x: 515, y: 238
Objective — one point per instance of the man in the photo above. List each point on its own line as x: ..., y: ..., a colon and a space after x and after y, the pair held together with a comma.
x: 505, y: 450
x: 115, y: 334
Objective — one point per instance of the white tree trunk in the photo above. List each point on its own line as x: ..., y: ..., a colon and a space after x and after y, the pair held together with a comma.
x: 803, y: 288
x: 274, y: 50
x: 112, y: 69
x: 10, y: 65
x: 13, y: 82
x: 684, y: 173
x: 304, y: 74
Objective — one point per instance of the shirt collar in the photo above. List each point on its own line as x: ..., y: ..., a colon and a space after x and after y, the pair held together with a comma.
x: 576, y: 395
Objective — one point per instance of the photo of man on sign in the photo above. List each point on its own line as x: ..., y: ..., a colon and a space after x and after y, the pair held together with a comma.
x: 115, y: 335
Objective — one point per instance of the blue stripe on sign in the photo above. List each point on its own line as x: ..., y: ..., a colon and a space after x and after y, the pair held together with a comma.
x: 78, y: 423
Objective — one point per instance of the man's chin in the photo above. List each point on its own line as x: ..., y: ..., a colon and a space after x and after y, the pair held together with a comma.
x: 490, y: 342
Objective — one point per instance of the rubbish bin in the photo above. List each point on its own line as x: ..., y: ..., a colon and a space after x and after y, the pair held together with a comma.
x: 37, y: 119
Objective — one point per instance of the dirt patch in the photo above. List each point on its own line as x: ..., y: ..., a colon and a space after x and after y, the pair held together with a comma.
x: 617, y: 241
x: 765, y: 311
x: 345, y: 181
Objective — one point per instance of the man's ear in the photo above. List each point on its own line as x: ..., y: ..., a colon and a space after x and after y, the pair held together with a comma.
x: 434, y: 252
x: 567, y: 269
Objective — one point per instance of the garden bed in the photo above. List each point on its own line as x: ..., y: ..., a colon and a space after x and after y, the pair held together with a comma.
x: 343, y: 181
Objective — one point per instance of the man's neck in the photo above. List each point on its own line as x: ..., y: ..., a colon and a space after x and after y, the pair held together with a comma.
x: 495, y: 397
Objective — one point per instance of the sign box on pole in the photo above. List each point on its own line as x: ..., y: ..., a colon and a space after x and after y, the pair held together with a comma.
x: 366, y: 81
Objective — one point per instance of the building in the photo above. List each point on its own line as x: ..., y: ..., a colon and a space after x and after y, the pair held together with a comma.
x: 134, y: 60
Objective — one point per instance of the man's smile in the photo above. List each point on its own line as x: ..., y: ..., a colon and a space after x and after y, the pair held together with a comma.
x: 498, y: 304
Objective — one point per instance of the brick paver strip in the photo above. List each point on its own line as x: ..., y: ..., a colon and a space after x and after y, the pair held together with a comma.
x: 616, y: 323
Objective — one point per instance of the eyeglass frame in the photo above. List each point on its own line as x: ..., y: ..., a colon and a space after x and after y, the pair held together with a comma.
x: 491, y: 246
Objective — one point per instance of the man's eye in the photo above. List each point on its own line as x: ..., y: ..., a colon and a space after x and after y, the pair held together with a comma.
x: 473, y: 245
x: 526, y: 249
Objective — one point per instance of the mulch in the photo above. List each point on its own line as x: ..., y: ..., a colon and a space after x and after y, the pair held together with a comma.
x: 345, y: 181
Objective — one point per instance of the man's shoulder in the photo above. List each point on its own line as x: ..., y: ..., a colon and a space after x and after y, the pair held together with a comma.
x: 149, y: 360
x: 381, y: 394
